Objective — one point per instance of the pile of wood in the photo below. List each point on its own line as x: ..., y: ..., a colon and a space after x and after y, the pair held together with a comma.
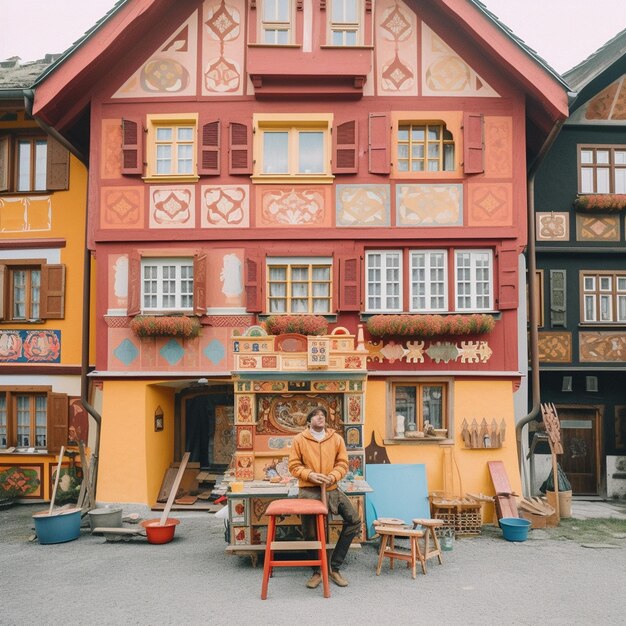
x: 537, y: 511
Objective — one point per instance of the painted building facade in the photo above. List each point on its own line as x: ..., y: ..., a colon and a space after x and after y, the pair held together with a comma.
x: 254, y: 160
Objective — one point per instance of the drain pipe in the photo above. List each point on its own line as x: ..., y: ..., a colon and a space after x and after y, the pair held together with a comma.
x: 532, y: 297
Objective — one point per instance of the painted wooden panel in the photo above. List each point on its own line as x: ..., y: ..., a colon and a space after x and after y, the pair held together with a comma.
x: 490, y: 204
x: 552, y: 226
x: 363, y: 205
x: 429, y: 205
x: 602, y: 347
x: 22, y: 214
x: 122, y: 207
x: 597, y: 228
x: 172, y: 206
x: 284, y: 207
x: 111, y: 155
x: 225, y: 206
x: 555, y: 347
x: 498, y: 146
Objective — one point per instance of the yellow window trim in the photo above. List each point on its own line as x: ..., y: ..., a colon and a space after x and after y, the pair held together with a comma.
x: 156, y: 120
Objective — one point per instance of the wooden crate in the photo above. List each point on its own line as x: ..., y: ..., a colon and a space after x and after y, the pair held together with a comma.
x: 461, y: 515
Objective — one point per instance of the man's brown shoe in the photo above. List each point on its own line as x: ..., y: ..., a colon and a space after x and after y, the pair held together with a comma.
x: 337, y: 578
x: 314, y: 581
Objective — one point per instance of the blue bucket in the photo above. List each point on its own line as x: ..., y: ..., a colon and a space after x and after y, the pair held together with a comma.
x: 59, y: 527
x: 515, y: 528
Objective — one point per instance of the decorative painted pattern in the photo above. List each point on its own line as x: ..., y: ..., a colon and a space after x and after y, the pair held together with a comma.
x: 173, y: 207
x: 245, y: 438
x: 292, y: 206
x: 608, y: 347
x: 555, y: 347
x: 223, y: 47
x: 597, y: 227
x: 244, y: 409
x: 170, y: 70
x: 21, y: 481
x: 552, y: 226
x: 121, y: 207
x: 429, y: 205
x: 610, y: 103
x: 21, y: 214
x: 498, y: 147
x: 438, y: 352
x: 225, y: 206
x: 111, y: 157
x: 30, y: 346
x: 490, y: 204
x: 363, y: 205
x: 354, y: 409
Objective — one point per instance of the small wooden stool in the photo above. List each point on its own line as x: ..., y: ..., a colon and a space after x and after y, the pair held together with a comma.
x: 296, y: 506
x: 388, y: 536
x: 430, y: 525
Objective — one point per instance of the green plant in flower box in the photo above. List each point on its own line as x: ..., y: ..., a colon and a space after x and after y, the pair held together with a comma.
x: 417, y: 325
x: 299, y: 324
x: 165, y: 326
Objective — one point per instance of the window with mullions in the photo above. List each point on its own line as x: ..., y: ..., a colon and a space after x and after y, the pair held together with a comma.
x: 383, y: 281
x: 174, y: 147
x: 429, y: 280
x: 31, y: 420
x: 418, y: 402
x: 25, y: 293
x: 31, y: 164
x: 424, y: 147
x: 604, y: 298
x: 293, y: 152
x: 473, y: 276
x: 602, y: 169
x: 344, y: 23
x: 167, y: 284
x: 276, y: 22
x: 299, y: 286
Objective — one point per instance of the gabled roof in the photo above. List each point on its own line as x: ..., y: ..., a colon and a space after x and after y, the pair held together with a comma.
x: 17, y: 75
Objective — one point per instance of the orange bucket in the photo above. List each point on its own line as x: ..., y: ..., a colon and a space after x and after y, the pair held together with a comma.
x: 160, y: 534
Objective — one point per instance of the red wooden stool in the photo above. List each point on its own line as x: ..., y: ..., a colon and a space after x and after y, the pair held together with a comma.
x: 295, y: 506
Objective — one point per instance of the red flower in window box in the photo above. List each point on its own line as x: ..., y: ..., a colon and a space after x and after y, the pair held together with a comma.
x: 429, y: 325
x: 165, y: 326
x: 300, y: 324
x: 600, y: 202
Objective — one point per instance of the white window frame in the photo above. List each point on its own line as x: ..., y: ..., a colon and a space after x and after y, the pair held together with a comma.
x: 384, y: 284
x: 175, y: 122
x: 429, y: 296
x: 343, y: 26
x: 600, y: 288
x: 182, y: 265
x: 473, y: 281
x: 276, y: 25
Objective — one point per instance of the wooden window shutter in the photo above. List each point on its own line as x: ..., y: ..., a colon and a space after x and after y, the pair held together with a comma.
x: 132, y: 146
x: 379, y: 143
x: 199, y: 284
x: 346, y: 147
x: 254, y: 281
x: 134, y: 283
x: 209, y: 157
x: 52, y: 292
x: 558, y: 298
x: 3, y: 302
x: 239, y: 148
x: 58, y: 166
x: 508, y: 267
x: 473, y: 143
x: 349, y: 283
x: 58, y: 414
x: 4, y: 162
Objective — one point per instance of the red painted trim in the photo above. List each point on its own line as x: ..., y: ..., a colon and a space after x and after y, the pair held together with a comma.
x: 31, y: 244
x: 39, y: 370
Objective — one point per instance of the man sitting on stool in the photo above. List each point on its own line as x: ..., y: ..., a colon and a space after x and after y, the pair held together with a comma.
x: 318, y: 457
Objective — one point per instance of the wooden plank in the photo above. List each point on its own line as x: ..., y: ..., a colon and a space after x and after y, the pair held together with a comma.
x: 504, y: 498
x: 56, y: 480
x: 172, y: 496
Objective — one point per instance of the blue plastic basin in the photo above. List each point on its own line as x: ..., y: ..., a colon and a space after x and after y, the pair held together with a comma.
x: 515, y: 528
x: 59, y: 527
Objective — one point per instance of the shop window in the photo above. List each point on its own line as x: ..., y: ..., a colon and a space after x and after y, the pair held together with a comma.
x: 299, y: 285
x: 32, y: 163
x: 474, y: 280
x: 418, y: 402
x: 603, y: 297
x: 31, y: 291
x: 32, y: 418
x: 167, y: 284
x: 602, y: 169
x: 424, y: 147
x: 345, y: 23
x: 383, y: 287
x: 277, y: 22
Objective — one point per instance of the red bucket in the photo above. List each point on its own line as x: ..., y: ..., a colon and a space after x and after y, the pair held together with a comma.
x: 160, y: 534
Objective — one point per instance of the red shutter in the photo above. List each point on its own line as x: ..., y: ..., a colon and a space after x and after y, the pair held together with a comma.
x: 134, y: 283
x: 349, y: 283
x: 132, y: 146
x: 199, y: 284
x: 254, y: 282
x: 379, y: 143
x: 58, y: 166
x: 508, y: 269
x: 346, y: 147
x: 3, y: 274
x: 473, y: 143
x: 4, y: 162
x: 209, y: 157
x: 52, y: 305
x: 57, y: 421
x: 240, y: 148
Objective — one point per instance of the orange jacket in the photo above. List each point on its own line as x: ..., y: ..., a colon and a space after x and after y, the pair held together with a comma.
x: 328, y: 456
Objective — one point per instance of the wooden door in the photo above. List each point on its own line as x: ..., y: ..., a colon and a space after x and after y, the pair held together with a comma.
x: 581, y: 437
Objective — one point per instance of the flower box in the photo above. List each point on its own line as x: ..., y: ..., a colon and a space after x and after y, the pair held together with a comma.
x: 299, y: 324
x: 165, y: 326
x: 600, y: 202
x: 429, y: 325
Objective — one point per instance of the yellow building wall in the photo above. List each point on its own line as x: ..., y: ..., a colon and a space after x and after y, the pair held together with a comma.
x: 471, y: 399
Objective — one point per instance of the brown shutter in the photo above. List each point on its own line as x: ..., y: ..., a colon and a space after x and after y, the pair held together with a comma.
x: 3, y: 299
x: 58, y: 166
x: 379, y: 143
x: 199, y: 284
x: 57, y: 421
x: 132, y: 146
x: 209, y: 158
x: 4, y: 162
x: 346, y: 147
x: 52, y: 292
x: 239, y: 148
x: 254, y: 281
x: 133, y: 306
x: 473, y: 143
x: 558, y: 298
x: 508, y: 267
x: 349, y: 283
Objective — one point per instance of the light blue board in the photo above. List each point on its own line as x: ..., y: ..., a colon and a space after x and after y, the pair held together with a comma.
x: 399, y: 491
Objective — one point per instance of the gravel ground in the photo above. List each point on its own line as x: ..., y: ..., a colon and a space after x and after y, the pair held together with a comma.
x: 549, y: 579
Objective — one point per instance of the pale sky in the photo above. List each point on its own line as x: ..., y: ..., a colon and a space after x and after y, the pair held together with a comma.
x: 563, y: 32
